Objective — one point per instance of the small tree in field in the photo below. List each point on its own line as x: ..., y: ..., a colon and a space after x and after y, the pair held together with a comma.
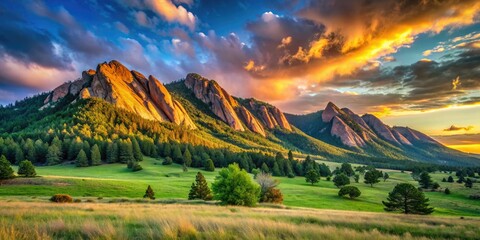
x: 447, y: 191
x: 6, y: 170
x: 235, y: 187
x: 385, y: 177
x: 351, y: 191
x: 167, y: 161
x: 407, y: 199
x: 450, y: 179
x: 26, y: 169
x: 372, y: 176
x: 149, y: 193
x: 425, y: 180
x: 200, y: 189
x: 341, y: 180
x: 468, y: 183
x: 312, y: 176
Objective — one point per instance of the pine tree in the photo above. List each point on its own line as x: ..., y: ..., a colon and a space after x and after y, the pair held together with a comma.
x: 82, y: 160
x: 276, y: 170
x: 385, y: 177
x: 177, y: 154
x: 6, y: 170
x: 450, y: 179
x: 167, y: 150
x: 425, y: 180
x: 290, y: 156
x: 200, y: 189
x: 96, y: 158
x: 125, y: 152
x: 112, y: 152
x: 149, y: 193
x: 209, y: 166
x: 53, y: 155
x: 407, y: 199
x: 468, y: 183
x: 26, y: 169
x: 265, y: 168
x: 30, y: 150
x: 184, y: 168
x: 447, y: 191
x: 187, y: 157
x: 137, y: 152
x: 19, y: 156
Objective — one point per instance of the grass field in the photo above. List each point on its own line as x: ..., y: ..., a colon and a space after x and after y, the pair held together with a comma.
x: 37, y: 220
x: 169, y: 182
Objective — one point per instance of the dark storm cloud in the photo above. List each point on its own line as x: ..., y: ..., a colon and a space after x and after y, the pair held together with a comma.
x: 29, y: 45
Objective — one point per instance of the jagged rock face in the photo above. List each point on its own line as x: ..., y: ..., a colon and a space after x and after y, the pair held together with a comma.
x: 172, y: 108
x: 346, y: 135
x: 251, y: 121
x: 220, y: 102
x: 129, y: 90
x: 380, y: 128
x: 414, y: 135
x: 400, y: 138
x: 330, y: 111
x: 271, y: 116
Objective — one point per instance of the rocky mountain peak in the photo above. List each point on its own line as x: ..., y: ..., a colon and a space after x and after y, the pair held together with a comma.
x: 331, y: 110
x: 255, y: 116
x: 126, y: 89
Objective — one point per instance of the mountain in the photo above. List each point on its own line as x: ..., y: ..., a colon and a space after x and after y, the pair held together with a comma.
x: 368, y: 134
x: 126, y: 89
x: 115, y: 105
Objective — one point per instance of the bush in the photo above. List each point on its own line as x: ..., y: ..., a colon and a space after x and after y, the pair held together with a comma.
x: 447, y: 191
x: 6, y: 170
x: 351, y: 191
x: 61, y: 198
x: 272, y: 195
x: 26, y: 169
x: 167, y: 161
x: 78, y: 200
x: 235, y: 187
x: 137, y: 167
x: 475, y: 197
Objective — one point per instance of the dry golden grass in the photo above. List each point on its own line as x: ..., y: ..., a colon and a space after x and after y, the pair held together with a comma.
x: 39, y: 220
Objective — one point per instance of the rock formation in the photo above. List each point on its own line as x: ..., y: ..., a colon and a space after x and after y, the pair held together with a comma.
x: 345, y: 133
x: 229, y: 110
x: 126, y: 89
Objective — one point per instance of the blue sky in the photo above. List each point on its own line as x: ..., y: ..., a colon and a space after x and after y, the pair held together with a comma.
x: 391, y: 58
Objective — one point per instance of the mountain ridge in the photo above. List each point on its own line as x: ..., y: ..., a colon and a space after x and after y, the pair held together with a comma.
x: 210, y: 112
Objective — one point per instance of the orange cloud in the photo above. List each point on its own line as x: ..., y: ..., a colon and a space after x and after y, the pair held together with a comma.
x: 167, y: 10
x: 364, y: 38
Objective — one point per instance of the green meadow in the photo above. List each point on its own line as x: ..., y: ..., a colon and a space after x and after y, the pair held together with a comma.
x: 111, y: 182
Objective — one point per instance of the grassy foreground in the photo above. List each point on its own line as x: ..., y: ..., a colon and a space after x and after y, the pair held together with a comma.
x: 170, y: 182
x: 40, y: 220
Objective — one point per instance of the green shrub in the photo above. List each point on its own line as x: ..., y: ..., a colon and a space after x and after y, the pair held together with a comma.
x: 351, y: 191
x: 61, y: 198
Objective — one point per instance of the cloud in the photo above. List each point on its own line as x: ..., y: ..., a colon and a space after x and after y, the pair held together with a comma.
x: 332, y: 39
x: 455, y: 128
x: 37, y: 46
x: 171, y: 13
x: 121, y: 27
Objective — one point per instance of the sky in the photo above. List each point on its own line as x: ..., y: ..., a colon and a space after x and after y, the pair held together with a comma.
x: 412, y: 63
